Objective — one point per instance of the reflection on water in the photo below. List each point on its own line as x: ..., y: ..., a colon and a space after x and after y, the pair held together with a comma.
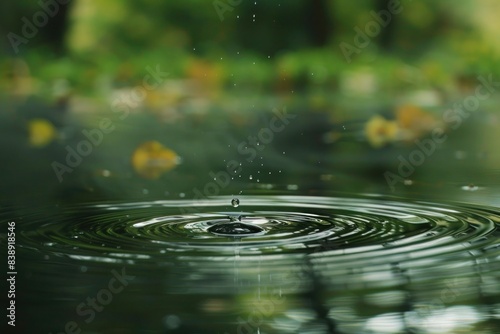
x: 301, y: 265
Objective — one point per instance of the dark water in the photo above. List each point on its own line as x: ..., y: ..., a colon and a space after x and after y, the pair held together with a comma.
x: 274, y: 264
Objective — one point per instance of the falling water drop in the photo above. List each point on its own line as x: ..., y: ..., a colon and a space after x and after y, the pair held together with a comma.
x: 235, y: 202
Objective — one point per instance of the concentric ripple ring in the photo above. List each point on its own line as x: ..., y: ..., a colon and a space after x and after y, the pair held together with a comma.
x: 342, y: 227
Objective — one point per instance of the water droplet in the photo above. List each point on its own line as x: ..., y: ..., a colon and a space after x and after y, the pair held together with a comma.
x: 171, y: 321
x: 470, y: 187
x: 408, y: 182
x: 235, y: 202
x: 182, y: 195
x: 251, y: 177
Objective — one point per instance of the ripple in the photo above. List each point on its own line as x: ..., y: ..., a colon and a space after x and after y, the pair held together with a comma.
x: 349, y: 229
x: 340, y: 262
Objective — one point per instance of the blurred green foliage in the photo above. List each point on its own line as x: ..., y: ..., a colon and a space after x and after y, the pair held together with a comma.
x: 256, y: 45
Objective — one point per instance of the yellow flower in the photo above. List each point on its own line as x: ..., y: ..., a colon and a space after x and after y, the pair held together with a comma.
x: 414, y: 121
x: 151, y: 159
x: 41, y: 132
x: 380, y: 131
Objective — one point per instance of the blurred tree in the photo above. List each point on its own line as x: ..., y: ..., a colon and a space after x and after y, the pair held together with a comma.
x: 319, y: 22
x: 270, y: 27
x: 264, y: 27
x: 49, y: 22
x: 386, y: 38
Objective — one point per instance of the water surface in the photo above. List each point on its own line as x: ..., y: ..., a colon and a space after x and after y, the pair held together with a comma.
x: 282, y: 264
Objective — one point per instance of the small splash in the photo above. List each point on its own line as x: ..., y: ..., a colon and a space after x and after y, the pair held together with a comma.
x: 235, y: 219
x: 236, y: 229
x: 235, y: 202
